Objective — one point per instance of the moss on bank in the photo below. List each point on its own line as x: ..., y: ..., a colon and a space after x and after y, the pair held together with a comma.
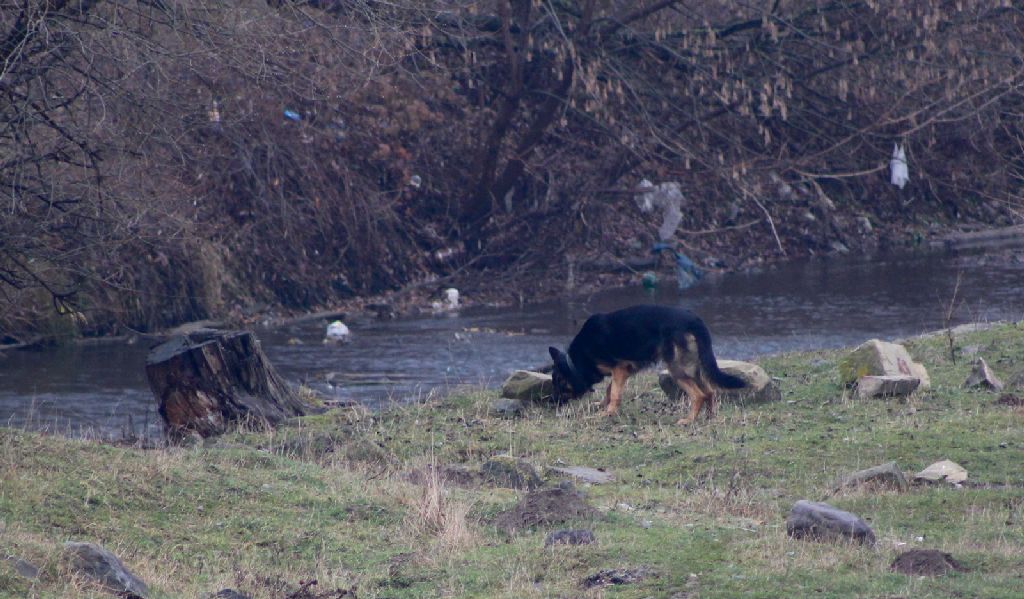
x: 350, y: 498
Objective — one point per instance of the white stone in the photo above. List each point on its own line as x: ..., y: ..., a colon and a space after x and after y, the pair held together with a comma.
x: 945, y: 470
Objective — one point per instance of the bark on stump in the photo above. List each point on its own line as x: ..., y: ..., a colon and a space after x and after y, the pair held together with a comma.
x: 210, y: 379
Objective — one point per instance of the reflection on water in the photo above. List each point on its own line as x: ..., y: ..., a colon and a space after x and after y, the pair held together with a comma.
x: 799, y: 305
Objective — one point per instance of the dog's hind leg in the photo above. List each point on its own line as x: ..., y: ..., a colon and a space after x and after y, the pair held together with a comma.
x: 698, y: 397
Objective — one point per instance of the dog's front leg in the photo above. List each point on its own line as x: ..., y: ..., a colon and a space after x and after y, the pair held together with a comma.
x: 619, y: 377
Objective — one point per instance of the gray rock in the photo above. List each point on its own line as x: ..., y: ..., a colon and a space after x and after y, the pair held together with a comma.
x: 760, y: 387
x: 886, y: 386
x: 888, y: 474
x: 527, y: 385
x: 983, y: 377
x: 821, y: 521
x: 104, y: 568
x: 229, y: 594
x: 509, y: 472
x: 23, y: 568
x: 585, y: 474
x: 580, y: 536
x: 945, y: 470
x: 881, y: 358
x: 507, y: 408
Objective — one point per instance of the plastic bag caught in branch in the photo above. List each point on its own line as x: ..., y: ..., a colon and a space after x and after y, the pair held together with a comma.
x: 898, y: 166
x: 666, y: 197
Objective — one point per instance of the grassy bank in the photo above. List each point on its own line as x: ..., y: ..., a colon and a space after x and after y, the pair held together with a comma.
x: 349, y: 499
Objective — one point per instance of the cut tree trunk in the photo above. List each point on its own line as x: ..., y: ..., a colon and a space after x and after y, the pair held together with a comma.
x: 211, y: 379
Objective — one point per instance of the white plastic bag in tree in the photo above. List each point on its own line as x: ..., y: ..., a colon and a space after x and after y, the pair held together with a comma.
x: 666, y: 196
x: 898, y: 166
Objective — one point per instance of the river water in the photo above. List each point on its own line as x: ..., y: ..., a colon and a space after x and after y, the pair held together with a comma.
x: 102, y: 390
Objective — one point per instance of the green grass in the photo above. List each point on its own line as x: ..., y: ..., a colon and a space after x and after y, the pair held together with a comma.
x: 330, y: 497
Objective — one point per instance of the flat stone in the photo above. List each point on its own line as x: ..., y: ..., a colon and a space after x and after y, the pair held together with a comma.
x: 760, y: 387
x: 23, y: 568
x: 584, y: 474
x: 945, y: 470
x: 104, y: 568
x: 511, y: 473
x: 983, y: 377
x: 579, y: 536
x: 229, y: 594
x: 881, y: 358
x: 886, y: 386
x: 507, y: 408
x: 888, y: 474
x: 527, y: 385
x: 821, y: 521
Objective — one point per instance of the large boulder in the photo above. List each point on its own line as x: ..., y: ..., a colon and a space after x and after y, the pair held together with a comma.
x: 821, y: 521
x: 886, y: 386
x: 527, y: 385
x: 760, y: 387
x: 888, y: 474
x: 881, y: 358
x: 104, y: 568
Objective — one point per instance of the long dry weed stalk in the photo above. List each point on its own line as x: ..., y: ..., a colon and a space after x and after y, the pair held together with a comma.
x: 436, y: 514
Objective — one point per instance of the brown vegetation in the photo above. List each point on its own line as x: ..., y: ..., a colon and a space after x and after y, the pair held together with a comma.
x: 172, y: 160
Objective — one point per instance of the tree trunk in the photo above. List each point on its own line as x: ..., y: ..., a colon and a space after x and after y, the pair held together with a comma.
x: 211, y: 379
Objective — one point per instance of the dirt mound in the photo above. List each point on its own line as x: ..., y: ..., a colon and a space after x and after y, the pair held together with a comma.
x: 545, y: 506
x: 925, y: 562
x: 306, y: 591
x: 1009, y: 399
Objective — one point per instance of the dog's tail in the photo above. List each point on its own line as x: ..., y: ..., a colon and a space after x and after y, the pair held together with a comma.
x: 709, y: 365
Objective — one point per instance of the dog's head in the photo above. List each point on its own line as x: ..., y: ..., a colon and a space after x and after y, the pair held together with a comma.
x: 565, y: 381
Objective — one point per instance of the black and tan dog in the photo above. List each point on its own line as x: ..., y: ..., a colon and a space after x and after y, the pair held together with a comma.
x: 623, y: 342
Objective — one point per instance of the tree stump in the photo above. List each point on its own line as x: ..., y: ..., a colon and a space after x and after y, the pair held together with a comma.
x: 210, y: 379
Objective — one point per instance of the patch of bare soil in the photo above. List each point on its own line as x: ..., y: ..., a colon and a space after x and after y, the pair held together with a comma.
x: 545, y: 506
x: 606, y: 578
x: 1009, y: 399
x: 925, y: 562
x: 306, y: 591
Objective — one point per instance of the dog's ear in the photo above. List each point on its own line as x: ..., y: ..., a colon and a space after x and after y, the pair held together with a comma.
x: 555, y: 354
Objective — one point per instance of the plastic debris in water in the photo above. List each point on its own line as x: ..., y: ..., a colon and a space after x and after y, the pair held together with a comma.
x: 898, y: 166
x: 451, y: 296
x: 666, y: 196
x: 292, y: 115
x: 415, y: 181
x: 337, y: 332
x: 687, y: 272
x: 649, y: 280
x: 450, y: 303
